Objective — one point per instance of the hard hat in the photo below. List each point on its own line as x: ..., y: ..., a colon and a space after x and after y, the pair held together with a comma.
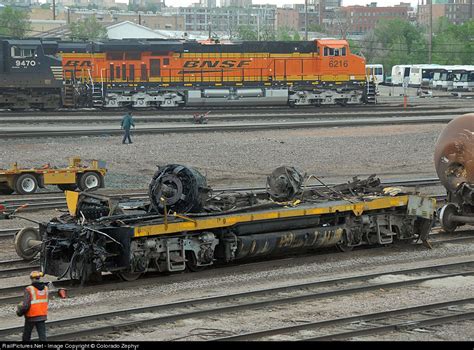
x: 36, y: 275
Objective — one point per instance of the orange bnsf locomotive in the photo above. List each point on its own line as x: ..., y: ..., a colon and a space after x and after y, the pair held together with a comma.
x: 164, y: 73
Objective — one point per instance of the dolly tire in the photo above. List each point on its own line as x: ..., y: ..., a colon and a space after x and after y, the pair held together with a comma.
x: 90, y: 180
x: 26, y: 184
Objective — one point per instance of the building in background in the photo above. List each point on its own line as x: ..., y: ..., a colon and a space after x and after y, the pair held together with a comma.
x: 19, y: 3
x: 225, y: 19
x: 456, y: 11
x: 236, y: 3
x: 359, y: 20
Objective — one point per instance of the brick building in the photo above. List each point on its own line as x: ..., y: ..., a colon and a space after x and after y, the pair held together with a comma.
x: 456, y: 11
x: 363, y: 19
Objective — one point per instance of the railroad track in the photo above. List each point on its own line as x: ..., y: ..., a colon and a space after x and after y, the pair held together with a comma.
x: 36, y: 202
x: 11, y: 132
x: 367, y: 324
x: 386, y: 106
x: 13, y: 294
x: 8, y: 232
x: 126, y: 319
x: 186, y: 118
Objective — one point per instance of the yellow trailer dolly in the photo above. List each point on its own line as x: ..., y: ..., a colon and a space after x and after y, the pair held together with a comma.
x: 76, y: 175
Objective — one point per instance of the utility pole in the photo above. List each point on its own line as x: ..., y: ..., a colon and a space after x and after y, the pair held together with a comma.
x: 305, y: 19
x: 54, y: 10
x: 430, y: 39
x: 258, y: 27
x: 322, y: 7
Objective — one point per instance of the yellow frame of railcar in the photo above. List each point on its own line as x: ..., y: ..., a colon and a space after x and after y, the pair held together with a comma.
x: 199, y: 224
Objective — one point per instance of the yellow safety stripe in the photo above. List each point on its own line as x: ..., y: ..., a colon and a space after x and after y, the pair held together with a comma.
x: 213, y: 222
x: 32, y: 292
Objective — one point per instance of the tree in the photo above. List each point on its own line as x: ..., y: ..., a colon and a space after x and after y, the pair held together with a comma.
x: 88, y: 29
x: 246, y: 33
x: 453, y: 44
x: 283, y: 34
x: 394, y: 41
x: 14, y: 23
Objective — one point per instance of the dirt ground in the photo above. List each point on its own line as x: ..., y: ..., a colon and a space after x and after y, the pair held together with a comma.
x: 231, y: 159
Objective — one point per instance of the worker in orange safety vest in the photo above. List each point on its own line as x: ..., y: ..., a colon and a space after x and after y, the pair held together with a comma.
x: 34, y: 307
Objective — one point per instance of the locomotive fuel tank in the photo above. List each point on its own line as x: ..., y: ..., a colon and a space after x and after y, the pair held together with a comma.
x: 454, y: 162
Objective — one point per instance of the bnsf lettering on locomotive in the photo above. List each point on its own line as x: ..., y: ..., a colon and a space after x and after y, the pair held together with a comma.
x: 214, y: 64
x: 77, y: 63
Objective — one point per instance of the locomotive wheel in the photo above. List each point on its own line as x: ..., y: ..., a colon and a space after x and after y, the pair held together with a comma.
x: 25, y: 240
x: 67, y: 187
x: 129, y: 276
x: 445, y: 217
x: 90, y: 180
x: 26, y: 184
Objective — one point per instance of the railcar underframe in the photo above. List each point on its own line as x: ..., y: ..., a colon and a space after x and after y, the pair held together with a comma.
x: 185, y: 226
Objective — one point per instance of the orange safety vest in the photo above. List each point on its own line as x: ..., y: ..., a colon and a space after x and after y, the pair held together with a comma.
x: 39, y: 302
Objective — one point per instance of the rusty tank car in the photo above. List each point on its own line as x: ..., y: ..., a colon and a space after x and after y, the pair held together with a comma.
x: 454, y: 162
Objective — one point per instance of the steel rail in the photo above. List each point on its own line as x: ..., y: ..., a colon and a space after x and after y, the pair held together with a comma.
x: 59, y: 202
x: 215, y: 109
x: 340, y: 322
x: 236, y: 117
x: 234, y: 307
x: 67, y: 283
x: 410, y: 182
x: 15, y: 271
x: 9, y: 232
x: 236, y: 127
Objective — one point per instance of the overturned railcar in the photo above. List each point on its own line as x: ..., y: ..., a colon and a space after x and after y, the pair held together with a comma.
x: 185, y: 225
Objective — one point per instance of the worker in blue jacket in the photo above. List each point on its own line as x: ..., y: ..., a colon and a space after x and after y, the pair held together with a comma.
x: 127, y: 123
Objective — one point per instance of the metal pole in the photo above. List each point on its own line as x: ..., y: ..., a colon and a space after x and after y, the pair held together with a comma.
x: 258, y: 27
x: 54, y: 10
x: 322, y: 7
x: 305, y: 19
x: 430, y: 40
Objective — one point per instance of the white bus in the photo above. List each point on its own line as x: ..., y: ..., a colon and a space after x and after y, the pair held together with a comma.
x: 445, y: 76
x: 400, y: 73
x: 465, y: 81
x: 422, y: 74
x: 375, y: 71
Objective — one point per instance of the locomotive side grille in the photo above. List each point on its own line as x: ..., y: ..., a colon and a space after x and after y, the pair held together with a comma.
x: 57, y: 72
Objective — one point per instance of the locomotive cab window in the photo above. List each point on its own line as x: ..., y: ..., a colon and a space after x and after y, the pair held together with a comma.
x: 17, y: 52
x: 329, y: 51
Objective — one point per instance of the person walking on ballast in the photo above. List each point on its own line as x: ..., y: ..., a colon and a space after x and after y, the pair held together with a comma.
x: 127, y: 123
x: 34, y: 307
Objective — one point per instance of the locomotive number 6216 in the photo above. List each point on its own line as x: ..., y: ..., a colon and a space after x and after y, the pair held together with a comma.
x: 333, y: 63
